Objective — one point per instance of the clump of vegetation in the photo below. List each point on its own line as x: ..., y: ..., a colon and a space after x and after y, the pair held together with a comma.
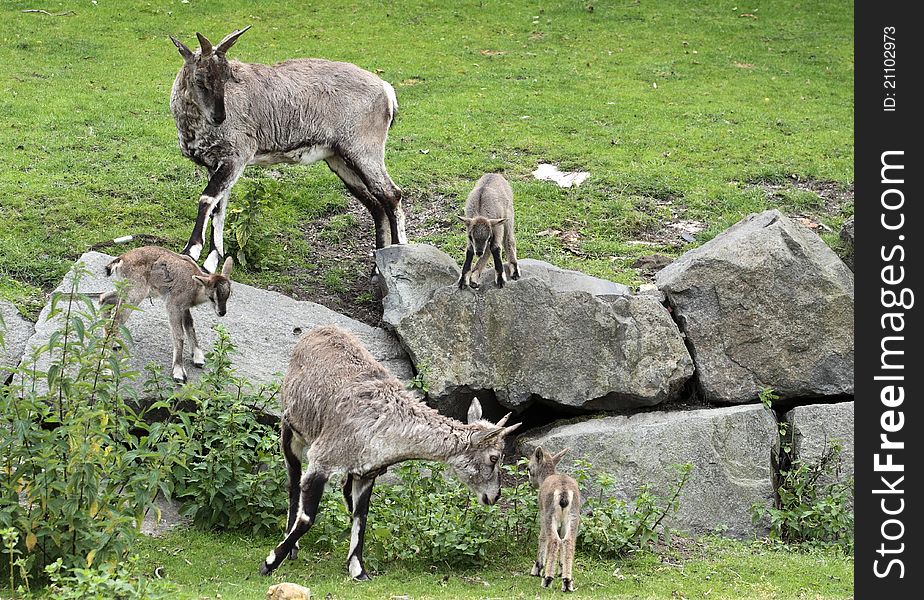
x: 813, y: 506
x: 229, y: 475
x: 615, y: 527
x: 80, y: 463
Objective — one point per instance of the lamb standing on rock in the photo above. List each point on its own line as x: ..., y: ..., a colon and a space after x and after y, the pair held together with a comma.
x: 153, y: 272
x: 559, y: 518
x: 489, y: 224
x: 231, y: 114
x: 356, y: 418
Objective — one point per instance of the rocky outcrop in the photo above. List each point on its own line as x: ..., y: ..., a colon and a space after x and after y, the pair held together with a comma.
x: 15, y: 331
x: 731, y: 449
x: 554, y: 335
x: 263, y: 325
x: 765, y: 304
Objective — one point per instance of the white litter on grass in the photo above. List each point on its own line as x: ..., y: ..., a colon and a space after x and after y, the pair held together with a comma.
x: 546, y: 172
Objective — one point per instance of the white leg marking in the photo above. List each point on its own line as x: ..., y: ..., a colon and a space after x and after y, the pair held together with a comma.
x: 195, y: 250
x: 354, y: 536
x: 402, y: 234
x: 218, y: 229
x: 198, y: 357
x: 356, y: 569
x: 271, y: 558
x: 303, y: 518
x: 211, y: 263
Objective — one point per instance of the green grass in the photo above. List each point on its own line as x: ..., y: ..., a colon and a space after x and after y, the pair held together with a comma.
x: 672, y: 106
x: 201, y: 565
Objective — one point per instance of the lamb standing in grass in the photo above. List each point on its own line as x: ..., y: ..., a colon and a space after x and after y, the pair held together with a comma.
x: 559, y: 518
x: 152, y: 272
x: 489, y: 225
x: 354, y: 417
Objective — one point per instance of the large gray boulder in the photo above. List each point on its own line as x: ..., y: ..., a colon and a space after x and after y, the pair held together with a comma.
x: 264, y: 327
x: 765, y: 304
x: 732, y: 450
x: 15, y: 332
x: 815, y: 428
x: 554, y: 335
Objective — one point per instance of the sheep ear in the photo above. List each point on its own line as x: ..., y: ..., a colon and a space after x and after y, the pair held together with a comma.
x: 465, y: 220
x: 557, y: 457
x: 538, y: 453
x: 204, y: 44
x: 201, y: 280
x: 226, y: 268
x: 230, y: 39
x: 185, y: 52
x: 494, y: 222
x: 474, y: 411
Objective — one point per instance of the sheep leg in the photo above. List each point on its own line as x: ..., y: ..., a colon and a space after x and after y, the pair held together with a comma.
x: 476, y: 272
x: 312, y: 487
x: 198, y: 356
x: 293, y: 475
x: 510, y: 249
x: 498, y: 266
x: 221, y: 180
x: 540, y: 558
x: 362, y: 492
x: 552, y: 551
x: 175, y: 317
x: 466, y: 267
x: 357, y: 188
x: 222, y: 192
x: 373, y: 174
x: 348, y: 493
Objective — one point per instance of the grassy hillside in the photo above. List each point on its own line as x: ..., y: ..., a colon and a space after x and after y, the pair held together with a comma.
x: 687, y: 115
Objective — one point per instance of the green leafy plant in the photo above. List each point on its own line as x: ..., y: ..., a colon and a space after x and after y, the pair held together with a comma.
x: 767, y: 397
x: 614, y: 527
x: 112, y: 582
x: 247, y: 240
x: 79, y: 463
x: 813, y: 506
x: 230, y: 475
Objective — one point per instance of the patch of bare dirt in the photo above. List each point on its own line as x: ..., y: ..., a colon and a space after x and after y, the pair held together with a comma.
x: 340, y: 274
x: 833, y: 194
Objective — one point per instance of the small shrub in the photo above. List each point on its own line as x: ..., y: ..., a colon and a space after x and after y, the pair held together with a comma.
x: 809, y: 512
x: 247, y: 238
x: 113, y: 582
x: 79, y: 465
x: 613, y: 527
x: 230, y: 475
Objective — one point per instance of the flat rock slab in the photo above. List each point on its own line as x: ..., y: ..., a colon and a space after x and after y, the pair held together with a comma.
x: 765, y: 304
x: 16, y: 332
x: 816, y: 427
x: 731, y: 450
x: 263, y: 325
x: 554, y: 335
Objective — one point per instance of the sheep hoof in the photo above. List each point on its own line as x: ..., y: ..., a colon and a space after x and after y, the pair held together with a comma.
x: 474, y: 285
x: 362, y: 577
x: 265, y: 569
x: 536, y: 570
x: 546, y: 582
x: 293, y: 553
x: 567, y: 585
